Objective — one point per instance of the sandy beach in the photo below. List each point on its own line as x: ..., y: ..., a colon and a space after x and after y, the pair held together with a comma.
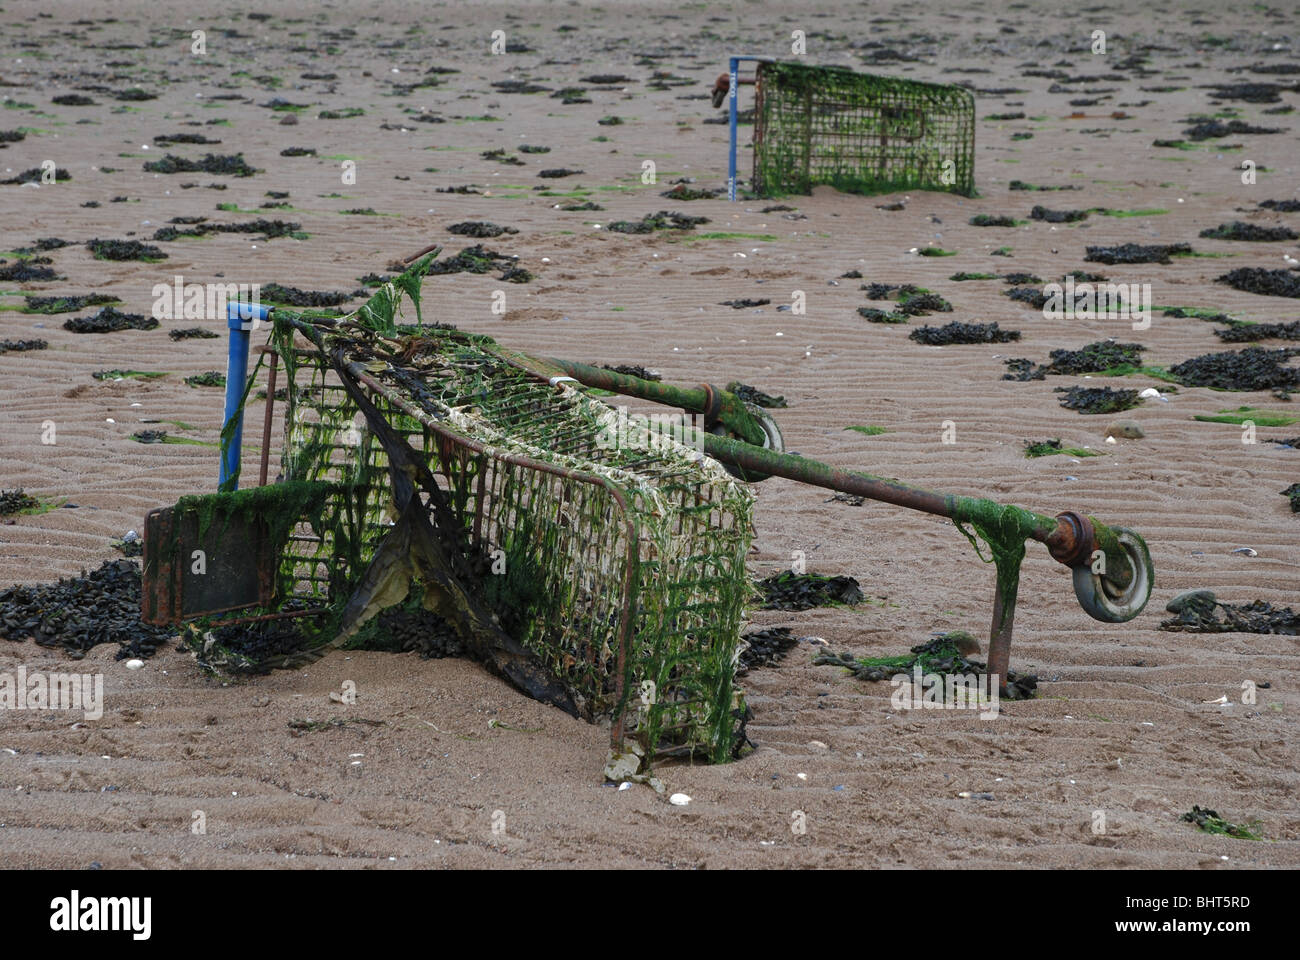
x: 1127, y: 719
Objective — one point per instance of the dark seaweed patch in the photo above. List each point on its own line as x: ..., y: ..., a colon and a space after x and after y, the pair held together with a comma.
x: 271, y: 229
x: 663, y: 220
x: 21, y: 346
x: 1095, y: 357
x: 1213, y: 129
x: 556, y: 173
x: 872, y: 315
x: 192, y: 333
x: 1094, y: 400
x: 1236, y: 230
x: 957, y: 332
x: 1281, y: 206
x: 1272, y: 283
x: 744, y: 303
x: 294, y: 297
x: 15, y: 501
x: 109, y: 320
x: 78, y: 613
x: 1022, y: 185
x: 683, y: 192
x: 479, y: 229
x: 765, y: 648
x: 1137, y: 253
x: 210, y: 378
x: 1248, y: 92
x: 124, y: 250
x: 632, y: 370
x: 170, y: 138
x: 985, y: 220
x: 913, y: 301
x: 1253, y: 368
x: 1023, y: 370
x: 520, y: 86
x: 24, y: 272
x: 1057, y: 216
x: 1031, y: 295
x: 802, y: 591
x: 1201, y: 612
x: 51, y: 305
x: 477, y: 259
x: 1250, y: 332
x: 1209, y: 821
x: 945, y: 655
x: 1292, y: 493
x: 754, y: 395
x: 232, y: 165
x: 516, y: 275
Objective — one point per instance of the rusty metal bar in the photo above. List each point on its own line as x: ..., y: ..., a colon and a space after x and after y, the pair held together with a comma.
x: 266, y: 422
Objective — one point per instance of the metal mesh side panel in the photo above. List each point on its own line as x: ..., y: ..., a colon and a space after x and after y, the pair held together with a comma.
x: 860, y: 133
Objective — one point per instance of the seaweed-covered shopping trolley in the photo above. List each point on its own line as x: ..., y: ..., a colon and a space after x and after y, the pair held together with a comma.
x: 594, y: 559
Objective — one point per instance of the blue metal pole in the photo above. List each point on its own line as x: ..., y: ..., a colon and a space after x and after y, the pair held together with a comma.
x: 732, y: 94
x: 241, y: 318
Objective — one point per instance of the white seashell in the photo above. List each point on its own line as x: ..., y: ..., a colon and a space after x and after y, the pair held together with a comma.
x: 679, y: 799
x: 802, y: 776
x: 625, y: 785
x: 134, y: 664
x: 1246, y: 551
x: 1108, y: 440
x: 1149, y: 392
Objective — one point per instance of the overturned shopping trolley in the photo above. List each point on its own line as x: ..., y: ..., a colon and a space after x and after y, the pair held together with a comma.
x: 595, y: 560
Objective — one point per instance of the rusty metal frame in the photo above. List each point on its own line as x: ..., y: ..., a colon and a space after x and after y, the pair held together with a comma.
x: 631, y: 567
x: 162, y: 596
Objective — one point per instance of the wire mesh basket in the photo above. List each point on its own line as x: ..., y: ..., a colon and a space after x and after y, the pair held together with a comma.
x: 859, y: 133
x: 610, y: 550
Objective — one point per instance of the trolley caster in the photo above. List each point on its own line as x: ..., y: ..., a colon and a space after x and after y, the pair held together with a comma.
x: 772, y: 440
x: 1104, y: 601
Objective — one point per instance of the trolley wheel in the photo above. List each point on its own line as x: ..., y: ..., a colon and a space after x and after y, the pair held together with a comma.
x: 1101, y: 599
x: 772, y: 440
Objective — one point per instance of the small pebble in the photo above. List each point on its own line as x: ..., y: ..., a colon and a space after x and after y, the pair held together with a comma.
x: 134, y: 664
x: 679, y: 799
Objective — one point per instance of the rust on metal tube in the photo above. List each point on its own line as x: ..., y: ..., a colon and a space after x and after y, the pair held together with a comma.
x: 266, y: 422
